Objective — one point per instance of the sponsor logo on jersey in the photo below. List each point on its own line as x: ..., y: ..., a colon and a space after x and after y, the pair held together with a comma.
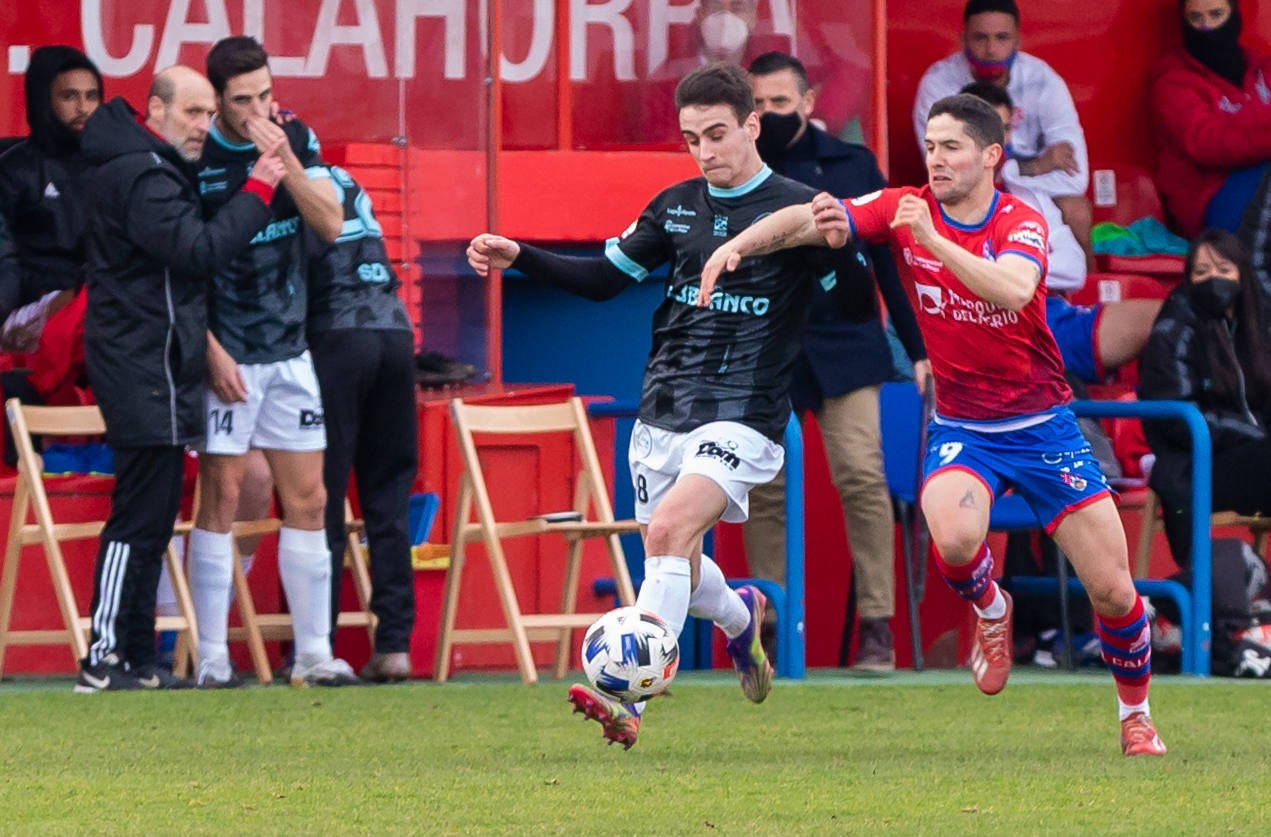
x: 374, y: 272
x: 925, y: 262
x: 712, y: 450
x: 311, y: 419
x: 1227, y: 106
x: 50, y: 191
x: 1029, y: 233
x: 930, y: 298
x: 276, y: 230
x: 720, y: 228
x: 672, y: 227
x: 680, y: 212
x: 721, y: 300
x: 864, y: 199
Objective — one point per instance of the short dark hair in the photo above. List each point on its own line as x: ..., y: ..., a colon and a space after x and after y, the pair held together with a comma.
x: 991, y: 93
x: 775, y: 62
x: 979, y: 7
x: 979, y: 120
x: 717, y: 84
x: 232, y: 57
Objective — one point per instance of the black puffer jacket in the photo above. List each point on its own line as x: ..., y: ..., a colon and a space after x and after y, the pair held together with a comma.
x: 150, y: 256
x: 41, y: 193
x: 1174, y: 366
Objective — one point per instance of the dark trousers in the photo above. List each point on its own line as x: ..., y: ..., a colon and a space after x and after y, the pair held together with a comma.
x: 143, y: 508
x: 1240, y: 484
x: 368, y: 399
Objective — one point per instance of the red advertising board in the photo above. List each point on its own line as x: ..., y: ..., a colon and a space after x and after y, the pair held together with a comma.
x: 372, y: 70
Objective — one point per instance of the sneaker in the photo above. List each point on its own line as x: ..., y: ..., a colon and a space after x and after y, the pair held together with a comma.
x: 158, y: 677
x: 874, y: 652
x: 991, y: 651
x: 217, y: 673
x: 110, y: 675
x: 330, y: 672
x: 1139, y: 738
x: 387, y: 668
x: 746, y: 650
x: 619, y: 721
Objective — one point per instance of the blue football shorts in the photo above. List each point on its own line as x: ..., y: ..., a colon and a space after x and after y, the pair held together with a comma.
x: 1050, y: 464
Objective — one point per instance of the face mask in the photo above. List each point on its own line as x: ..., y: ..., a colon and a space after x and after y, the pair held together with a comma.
x: 776, y: 132
x: 1212, y: 296
x: 1217, y: 48
x: 724, y: 34
x: 990, y: 71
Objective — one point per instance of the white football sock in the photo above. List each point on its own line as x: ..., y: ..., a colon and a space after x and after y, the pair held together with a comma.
x: 305, y: 566
x: 1125, y: 710
x: 211, y: 574
x: 666, y: 589
x: 996, y: 608
x: 715, y: 600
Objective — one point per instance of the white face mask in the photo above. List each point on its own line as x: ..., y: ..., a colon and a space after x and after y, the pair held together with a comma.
x: 724, y: 34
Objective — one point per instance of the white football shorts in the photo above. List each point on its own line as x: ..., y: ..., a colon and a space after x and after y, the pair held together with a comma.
x: 731, y: 455
x: 283, y: 410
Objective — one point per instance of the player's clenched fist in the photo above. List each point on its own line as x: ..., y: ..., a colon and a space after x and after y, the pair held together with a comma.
x: 914, y: 213
x: 488, y: 251
x: 831, y: 219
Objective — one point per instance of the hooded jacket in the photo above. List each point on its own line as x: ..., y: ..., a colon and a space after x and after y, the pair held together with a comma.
x: 41, y: 192
x: 1206, y: 128
x: 150, y: 258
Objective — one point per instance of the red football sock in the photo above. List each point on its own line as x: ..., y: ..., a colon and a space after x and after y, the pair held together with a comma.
x: 972, y: 581
x: 1127, y: 649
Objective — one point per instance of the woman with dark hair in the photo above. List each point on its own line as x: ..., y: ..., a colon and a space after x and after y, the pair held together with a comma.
x: 1209, y: 346
x: 1210, y: 114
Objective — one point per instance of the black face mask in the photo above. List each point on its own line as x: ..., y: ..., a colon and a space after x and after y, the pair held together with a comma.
x: 776, y: 132
x: 1217, y: 48
x: 1211, y: 297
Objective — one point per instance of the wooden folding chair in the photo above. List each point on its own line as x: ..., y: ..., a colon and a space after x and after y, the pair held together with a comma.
x: 590, y: 495
x: 30, y: 496
x: 255, y: 627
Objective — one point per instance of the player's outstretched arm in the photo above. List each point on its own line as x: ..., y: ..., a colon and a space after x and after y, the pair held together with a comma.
x: 591, y: 278
x: 792, y: 226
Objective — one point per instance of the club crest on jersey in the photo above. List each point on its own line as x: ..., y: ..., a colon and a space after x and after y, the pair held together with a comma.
x: 720, y: 229
x: 1076, y: 483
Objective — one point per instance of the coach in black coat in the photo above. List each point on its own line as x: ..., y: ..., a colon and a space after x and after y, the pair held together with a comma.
x: 150, y: 257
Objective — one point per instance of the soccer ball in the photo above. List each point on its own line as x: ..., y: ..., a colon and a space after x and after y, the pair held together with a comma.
x: 630, y: 655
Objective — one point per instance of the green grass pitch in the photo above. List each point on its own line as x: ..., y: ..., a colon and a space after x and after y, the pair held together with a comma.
x: 908, y: 754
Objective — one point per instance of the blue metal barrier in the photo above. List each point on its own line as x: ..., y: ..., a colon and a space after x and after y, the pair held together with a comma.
x: 788, y: 601
x: 1196, y: 659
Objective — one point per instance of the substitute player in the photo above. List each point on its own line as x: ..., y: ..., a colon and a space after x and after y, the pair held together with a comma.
x: 262, y: 390
x: 1002, y: 418
x: 714, y: 402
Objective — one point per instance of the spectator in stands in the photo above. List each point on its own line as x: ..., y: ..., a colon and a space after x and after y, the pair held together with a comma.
x: 841, y: 366
x: 363, y: 353
x: 1210, y: 346
x: 1094, y: 340
x: 41, y: 202
x: 1047, y: 141
x: 151, y: 256
x: 1211, y: 114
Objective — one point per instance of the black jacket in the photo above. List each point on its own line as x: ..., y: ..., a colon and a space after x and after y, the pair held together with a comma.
x: 1173, y: 366
x: 840, y: 356
x: 41, y: 191
x: 150, y: 256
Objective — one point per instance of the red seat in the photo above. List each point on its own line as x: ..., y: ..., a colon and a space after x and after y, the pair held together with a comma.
x: 1136, y: 197
x: 1114, y: 287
